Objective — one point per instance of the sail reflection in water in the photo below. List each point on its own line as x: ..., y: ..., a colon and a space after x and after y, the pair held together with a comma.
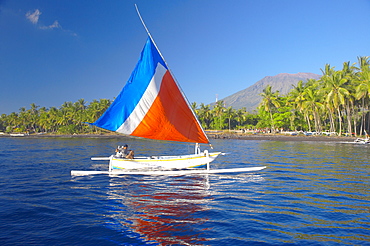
x: 162, y: 209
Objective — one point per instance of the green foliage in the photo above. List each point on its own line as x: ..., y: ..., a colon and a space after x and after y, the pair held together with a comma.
x: 282, y: 120
x: 339, y: 101
x: 69, y: 129
x: 70, y: 118
x: 264, y: 119
x: 9, y: 129
x: 251, y: 120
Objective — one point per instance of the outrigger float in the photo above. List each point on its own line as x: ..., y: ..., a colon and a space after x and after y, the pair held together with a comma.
x: 152, y: 105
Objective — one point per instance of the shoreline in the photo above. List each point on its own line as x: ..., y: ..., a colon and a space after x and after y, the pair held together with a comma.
x: 281, y: 137
x: 267, y: 137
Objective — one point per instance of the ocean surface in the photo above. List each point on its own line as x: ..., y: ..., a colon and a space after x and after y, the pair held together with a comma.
x: 311, y: 193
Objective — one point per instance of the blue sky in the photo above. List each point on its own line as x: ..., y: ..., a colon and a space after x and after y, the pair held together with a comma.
x: 57, y: 51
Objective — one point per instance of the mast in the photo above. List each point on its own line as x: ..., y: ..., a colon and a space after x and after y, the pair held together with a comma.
x: 169, y: 69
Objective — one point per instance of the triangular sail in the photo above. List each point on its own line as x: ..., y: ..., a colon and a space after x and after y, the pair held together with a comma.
x: 151, y: 105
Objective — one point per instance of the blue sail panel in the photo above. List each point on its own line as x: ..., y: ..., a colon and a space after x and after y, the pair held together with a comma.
x: 132, y: 92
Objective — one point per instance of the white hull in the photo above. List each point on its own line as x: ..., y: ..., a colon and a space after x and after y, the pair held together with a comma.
x: 162, y: 162
x: 17, y: 135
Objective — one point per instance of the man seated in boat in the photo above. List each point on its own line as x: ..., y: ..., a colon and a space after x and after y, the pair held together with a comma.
x: 124, y: 152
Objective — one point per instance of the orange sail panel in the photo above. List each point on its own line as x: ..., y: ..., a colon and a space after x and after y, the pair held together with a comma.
x: 170, y: 117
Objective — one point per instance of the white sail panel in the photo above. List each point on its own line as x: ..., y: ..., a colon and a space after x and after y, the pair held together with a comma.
x: 145, y: 102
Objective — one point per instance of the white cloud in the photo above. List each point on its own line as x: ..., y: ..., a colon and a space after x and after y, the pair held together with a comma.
x: 52, y: 26
x: 33, y: 17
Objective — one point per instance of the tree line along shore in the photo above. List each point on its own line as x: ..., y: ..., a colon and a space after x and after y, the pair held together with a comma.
x: 337, y: 103
x: 281, y: 136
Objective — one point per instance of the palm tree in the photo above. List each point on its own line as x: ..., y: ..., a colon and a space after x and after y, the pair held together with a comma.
x: 194, y: 106
x: 3, y: 122
x: 363, y: 87
x: 96, y: 109
x: 312, y: 104
x: 53, y: 119
x: 13, y: 121
x: 348, y: 72
x: 241, y: 115
x: 80, y: 114
x: 270, y: 99
x: 296, y: 99
x: 66, y: 114
x: 24, y: 119
x: 43, y: 119
x: 229, y: 114
x: 337, y: 93
x: 218, y: 111
x: 205, y: 115
x: 33, y: 112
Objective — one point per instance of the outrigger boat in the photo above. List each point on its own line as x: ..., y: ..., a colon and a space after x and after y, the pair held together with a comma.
x: 365, y: 140
x: 151, y: 105
x: 362, y: 141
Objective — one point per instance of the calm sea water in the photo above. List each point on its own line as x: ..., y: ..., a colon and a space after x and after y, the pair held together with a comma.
x: 311, y: 193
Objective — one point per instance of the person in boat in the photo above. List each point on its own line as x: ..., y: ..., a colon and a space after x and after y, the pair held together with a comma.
x: 124, y: 152
x: 119, y: 151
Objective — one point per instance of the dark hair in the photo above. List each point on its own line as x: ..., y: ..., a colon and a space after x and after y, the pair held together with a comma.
x: 125, y: 145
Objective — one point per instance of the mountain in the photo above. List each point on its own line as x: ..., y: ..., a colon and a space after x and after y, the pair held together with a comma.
x: 250, y: 97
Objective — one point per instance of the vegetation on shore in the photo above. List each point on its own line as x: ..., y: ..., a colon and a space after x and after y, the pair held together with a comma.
x: 337, y: 102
